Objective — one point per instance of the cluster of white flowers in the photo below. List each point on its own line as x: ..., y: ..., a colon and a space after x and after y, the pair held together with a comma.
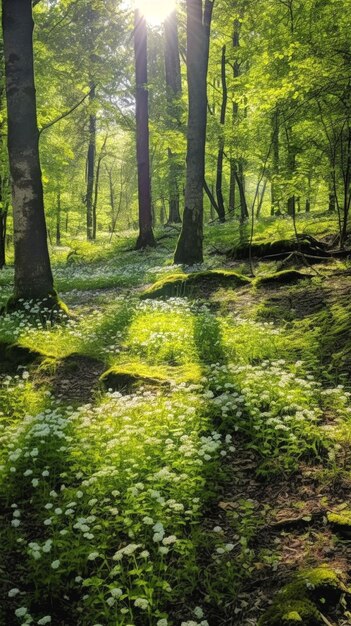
x: 115, y: 483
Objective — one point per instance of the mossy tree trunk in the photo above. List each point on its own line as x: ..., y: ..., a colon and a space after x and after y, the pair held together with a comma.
x: 146, y: 236
x: 189, y: 247
x: 174, y: 109
x: 33, y: 276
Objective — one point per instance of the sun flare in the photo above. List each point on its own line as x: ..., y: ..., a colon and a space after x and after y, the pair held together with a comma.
x: 155, y: 11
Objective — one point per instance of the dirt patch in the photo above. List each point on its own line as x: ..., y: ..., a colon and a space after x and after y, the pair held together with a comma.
x: 76, y: 378
x: 284, y: 525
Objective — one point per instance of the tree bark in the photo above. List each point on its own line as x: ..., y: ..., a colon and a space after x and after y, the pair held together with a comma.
x: 58, y: 218
x: 240, y: 180
x: 3, y: 220
x: 174, y: 92
x: 235, y: 114
x: 91, y: 164
x: 33, y: 276
x: 213, y: 203
x: 146, y: 236
x: 220, y: 155
x: 189, y: 247
x: 346, y: 172
x: 275, y: 163
x: 96, y: 189
x: 261, y: 197
x: 4, y: 178
x: 291, y: 204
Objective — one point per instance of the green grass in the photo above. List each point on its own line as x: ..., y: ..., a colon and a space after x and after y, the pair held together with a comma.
x: 103, y: 503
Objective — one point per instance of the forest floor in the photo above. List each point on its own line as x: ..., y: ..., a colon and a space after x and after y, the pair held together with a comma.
x: 178, y: 460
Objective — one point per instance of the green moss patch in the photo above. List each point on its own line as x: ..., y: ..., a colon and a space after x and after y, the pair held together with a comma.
x: 14, y: 355
x: 181, y: 284
x: 290, y: 613
x: 299, y: 600
x: 341, y: 522
x: 126, y: 377
x: 285, y: 277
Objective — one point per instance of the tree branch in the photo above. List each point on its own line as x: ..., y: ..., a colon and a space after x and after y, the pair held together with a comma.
x: 65, y: 114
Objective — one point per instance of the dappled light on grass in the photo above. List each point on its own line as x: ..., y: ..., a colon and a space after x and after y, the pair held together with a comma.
x: 108, y: 504
x: 163, y: 332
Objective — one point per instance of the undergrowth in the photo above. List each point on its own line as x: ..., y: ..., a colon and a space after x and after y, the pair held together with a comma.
x: 103, y: 503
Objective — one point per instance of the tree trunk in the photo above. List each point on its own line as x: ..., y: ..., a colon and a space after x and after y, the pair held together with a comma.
x: 3, y: 220
x: 290, y: 166
x: 97, y: 180
x: 240, y: 180
x: 346, y: 160
x: 232, y: 183
x: 146, y: 235
x: 91, y: 165
x: 261, y: 197
x: 331, y: 201
x: 112, y: 197
x: 213, y: 204
x: 275, y: 163
x: 291, y: 204
x: 174, y: 92
x: 309, y: 193
x: 220, y: 155
x: 4, y: 179
x: 58, y: 218
x: 33, y: 276
x: 189, y: 247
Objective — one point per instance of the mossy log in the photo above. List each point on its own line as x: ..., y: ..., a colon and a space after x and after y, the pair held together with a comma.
x: 279, y: 249
x: 285, y: 277
x: 299, y: 601
x: 127, y: 379
x: 14, y: 355
x: 292, y: 613
x: 181, y: 284
x: 341, y: 523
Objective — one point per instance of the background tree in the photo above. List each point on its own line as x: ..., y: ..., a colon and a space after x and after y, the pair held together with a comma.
x: 189, y: 247
x: 174, y: 110
x: 146, y: 236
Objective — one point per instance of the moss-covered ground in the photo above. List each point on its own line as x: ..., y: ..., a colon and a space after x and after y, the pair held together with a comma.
x: 183, y: 458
